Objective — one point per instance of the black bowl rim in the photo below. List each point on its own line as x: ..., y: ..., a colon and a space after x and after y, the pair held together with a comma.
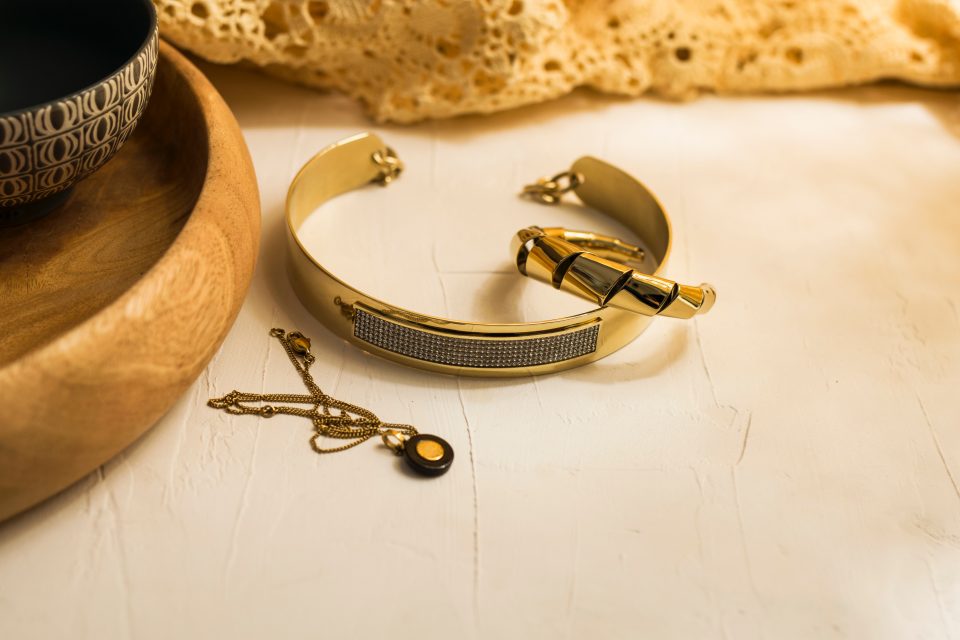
x: 152, y: 32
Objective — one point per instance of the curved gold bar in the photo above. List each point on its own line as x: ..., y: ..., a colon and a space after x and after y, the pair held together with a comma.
x: 482, y: 349
x: 557, y: 257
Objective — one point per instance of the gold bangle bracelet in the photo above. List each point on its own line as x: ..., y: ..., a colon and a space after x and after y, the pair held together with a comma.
x: 589, y: 265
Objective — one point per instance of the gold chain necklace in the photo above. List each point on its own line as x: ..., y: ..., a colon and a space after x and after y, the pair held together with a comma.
x: 332, y: 418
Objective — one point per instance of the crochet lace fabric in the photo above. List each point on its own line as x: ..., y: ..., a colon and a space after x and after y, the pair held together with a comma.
x: 406, y: 60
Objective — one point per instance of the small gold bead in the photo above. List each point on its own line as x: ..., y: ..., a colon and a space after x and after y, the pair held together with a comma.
x: 300, y: 344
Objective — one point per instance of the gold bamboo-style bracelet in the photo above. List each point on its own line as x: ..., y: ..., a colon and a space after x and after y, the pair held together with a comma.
x: 599, y: 268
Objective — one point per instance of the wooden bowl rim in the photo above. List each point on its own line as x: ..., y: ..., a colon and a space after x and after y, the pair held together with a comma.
x: 90, y: 330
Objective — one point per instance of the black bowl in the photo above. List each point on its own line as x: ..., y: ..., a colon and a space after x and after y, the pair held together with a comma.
x: 74, y: 79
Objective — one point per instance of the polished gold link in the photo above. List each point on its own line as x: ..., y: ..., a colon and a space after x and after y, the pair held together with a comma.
x: 691, y: 301
x: 603, y: 245
x: 592, y: 277
x: 552, y: 190
x: 560, y: 258
x: 389, y: 164
x: 545, y: 257
x: 644, y: 294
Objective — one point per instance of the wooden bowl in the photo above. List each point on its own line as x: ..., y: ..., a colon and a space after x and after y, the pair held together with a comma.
x: 75, y: 79
x: 114, y: 303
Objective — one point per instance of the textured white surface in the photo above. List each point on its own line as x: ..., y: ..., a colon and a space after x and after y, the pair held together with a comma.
x: 785, y: 467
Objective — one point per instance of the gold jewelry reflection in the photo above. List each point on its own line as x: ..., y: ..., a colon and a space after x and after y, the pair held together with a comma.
x: 602, y: 269
x: 429, y: 450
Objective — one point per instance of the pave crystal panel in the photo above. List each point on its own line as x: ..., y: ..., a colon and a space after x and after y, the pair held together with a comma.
x: 477, y: 353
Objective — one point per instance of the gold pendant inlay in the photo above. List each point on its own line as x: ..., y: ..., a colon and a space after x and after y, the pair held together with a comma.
x: 430, y: 450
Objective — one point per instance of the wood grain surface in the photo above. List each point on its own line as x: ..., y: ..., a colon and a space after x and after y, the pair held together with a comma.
x: 115, y: 302
x: 67, y: 266
x: 784, y: 467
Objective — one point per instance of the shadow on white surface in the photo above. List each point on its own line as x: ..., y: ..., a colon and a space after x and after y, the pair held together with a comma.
x: 783, y: 468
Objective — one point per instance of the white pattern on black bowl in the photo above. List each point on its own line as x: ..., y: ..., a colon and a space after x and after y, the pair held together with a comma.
x: 46, y: 148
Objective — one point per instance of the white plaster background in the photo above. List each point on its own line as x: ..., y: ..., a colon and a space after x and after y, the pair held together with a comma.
x: 785, y: 467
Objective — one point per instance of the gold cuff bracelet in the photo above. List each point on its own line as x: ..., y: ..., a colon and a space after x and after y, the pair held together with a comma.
x: 590, y: 265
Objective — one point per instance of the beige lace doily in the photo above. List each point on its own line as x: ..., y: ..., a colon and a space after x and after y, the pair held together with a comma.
x: 407, y: 60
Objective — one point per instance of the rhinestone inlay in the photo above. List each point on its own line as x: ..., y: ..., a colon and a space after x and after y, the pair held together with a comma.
x: 473, y: 352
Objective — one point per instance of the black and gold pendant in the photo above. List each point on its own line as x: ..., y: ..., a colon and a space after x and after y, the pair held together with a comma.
x: 426, y: 454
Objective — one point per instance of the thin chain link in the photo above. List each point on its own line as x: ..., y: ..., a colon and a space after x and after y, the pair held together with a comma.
x: 351, y: 423
x: 389, y: 164
x: 552, y: 190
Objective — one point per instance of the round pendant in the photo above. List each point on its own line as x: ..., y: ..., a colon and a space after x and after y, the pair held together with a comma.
x: 428, y: 455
